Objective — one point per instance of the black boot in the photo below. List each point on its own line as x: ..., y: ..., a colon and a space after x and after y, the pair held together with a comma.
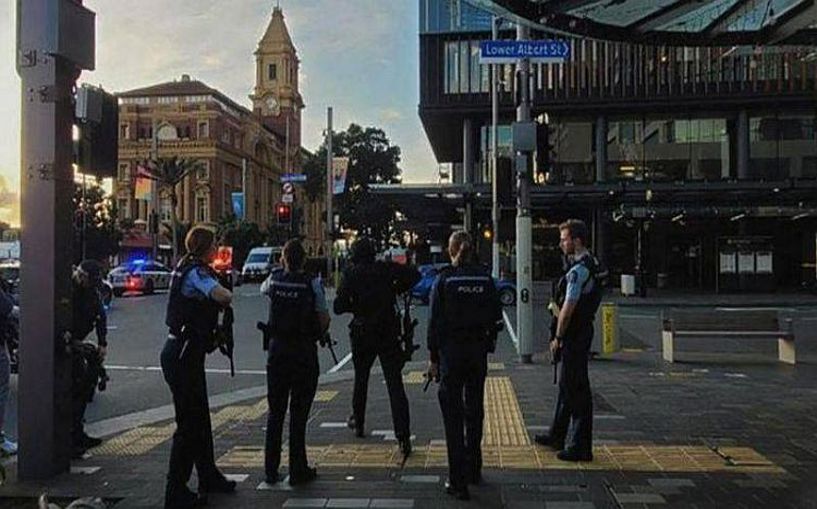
x: 458, y: 492
x: 303, y: 476
x: 216, y: 483
x: 548, y: 441
x: 182, y: 498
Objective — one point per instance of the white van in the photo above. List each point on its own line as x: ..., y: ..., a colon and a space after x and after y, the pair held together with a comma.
x: 259, y: 262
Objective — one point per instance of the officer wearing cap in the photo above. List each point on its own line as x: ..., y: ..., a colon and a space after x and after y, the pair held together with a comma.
x: 298, y: 318
x: 578, y: 297
x: 88, y: 314
x: 466, y: 315
x: 195, y: 301
x: 369, y: 289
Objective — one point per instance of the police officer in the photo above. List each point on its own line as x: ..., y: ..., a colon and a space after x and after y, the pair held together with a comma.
x: 88, y: 314
x: 578, y: 297
x: 369, y: 290
x: 9, y: 315
x: 298, y: 318
x: 465, y: 318
x: 196, y: 298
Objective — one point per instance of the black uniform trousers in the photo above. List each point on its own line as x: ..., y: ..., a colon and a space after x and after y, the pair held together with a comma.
x: 183, y: 369
x: 463, y: 367
x: 573, y: 418
x: 292, y: 378
x: 365, y: 349
x: 85, y: 368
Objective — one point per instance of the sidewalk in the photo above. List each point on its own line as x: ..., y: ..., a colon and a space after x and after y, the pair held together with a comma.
x: 675, y: 298
x: 690, y: 435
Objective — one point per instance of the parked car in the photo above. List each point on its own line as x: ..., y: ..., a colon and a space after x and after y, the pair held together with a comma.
x: 429, y: 273
x: 139, y: 276
x: 260, y: 262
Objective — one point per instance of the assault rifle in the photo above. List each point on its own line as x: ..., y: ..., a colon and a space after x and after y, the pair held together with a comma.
x: 407, y: 326
x: 225, y: 339
x: 327, y: 342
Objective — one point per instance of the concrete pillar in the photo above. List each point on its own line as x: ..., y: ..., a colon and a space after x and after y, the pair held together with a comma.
x: 743, y: 144
x: 601, y: 148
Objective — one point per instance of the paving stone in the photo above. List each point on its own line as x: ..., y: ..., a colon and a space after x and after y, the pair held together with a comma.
x: 570, y: 505
x: 392, y: 503
x: 239, y: 478
x: 420, y: 479
x: 639, y: 498
x: 671, y: 483
x: 305, y: 502
x: 348, y: 503
x: 84, y: 470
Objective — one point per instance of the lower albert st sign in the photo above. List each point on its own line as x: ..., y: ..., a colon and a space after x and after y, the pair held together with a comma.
x: 503, y: 52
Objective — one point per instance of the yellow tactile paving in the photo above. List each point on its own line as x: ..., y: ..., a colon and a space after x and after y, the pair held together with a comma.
x: 414, y: 378
x: 504, y: 425
x: 638, y: 458
x: 136, y: 442
x: 496, y: 366
x: 325, y: 396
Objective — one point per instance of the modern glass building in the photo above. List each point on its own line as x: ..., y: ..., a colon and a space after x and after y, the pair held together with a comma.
x: 687, y: 161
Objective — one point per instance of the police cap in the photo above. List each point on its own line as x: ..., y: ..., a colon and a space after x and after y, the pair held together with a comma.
x: 92, y: 269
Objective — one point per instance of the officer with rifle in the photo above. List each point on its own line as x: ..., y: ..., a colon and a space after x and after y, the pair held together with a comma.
x: 195, y: 302
x: 578, y: 296
x: 298, y: 319
x: 369, y: 290
x: 466, y: 315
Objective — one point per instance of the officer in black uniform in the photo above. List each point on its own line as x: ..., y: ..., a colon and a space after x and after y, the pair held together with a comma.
x: 298, y: 318
x: 466, y: 315
x: 196, y: 299
x: 369, y: 290
x: 578, y: 297
x: 88, y: 314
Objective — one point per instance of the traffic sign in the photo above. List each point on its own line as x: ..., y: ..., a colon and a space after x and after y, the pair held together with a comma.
x: 287, y: 198
x: 504, y: 52
x: 288, y: 188
x: 293, y: 177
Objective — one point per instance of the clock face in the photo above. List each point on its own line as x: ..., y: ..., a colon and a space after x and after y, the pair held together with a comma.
x: 273, y: 106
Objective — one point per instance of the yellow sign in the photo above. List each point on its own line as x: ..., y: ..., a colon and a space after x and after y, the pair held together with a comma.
x: 609, y: 317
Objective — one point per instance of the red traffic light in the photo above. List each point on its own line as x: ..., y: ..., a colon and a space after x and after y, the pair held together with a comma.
x: 224, y: 258
x: 284, y: 213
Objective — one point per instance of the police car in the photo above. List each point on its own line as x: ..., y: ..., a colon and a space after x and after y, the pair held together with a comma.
x: 142, y: 276
x: 429, y: 273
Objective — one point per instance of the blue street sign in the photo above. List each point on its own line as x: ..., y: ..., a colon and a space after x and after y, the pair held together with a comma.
x: 293, y: 177
x: 504, y: 52
x: 238, y: 205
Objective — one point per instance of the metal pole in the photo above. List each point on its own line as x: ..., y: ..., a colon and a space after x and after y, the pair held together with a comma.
x: 524, y: 277
x: 154, y: 195
x: 286, y: 150
x: 244, y: 189
x: 495, y: 212
x: 330, y: 219
x: 47, y: 179
x: 84, y: 215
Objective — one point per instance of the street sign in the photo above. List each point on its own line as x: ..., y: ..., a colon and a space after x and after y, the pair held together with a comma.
x: 505, y: 52
x: 293, y: 177
x: 287, y: 198
x: 288, y: 188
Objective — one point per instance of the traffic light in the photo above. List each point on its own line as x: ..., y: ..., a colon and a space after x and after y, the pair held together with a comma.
x: 545, y: 150
x: 284, y: 212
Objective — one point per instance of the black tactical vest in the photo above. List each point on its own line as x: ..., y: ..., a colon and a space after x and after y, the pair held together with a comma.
x: 469, y: 301
x: 292, y: 308
x: 185, y: 314
x: 589, y: 303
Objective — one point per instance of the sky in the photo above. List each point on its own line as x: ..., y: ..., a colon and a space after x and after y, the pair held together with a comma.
x: 358, y: 56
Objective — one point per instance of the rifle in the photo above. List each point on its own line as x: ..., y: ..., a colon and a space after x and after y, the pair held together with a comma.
x: 407, y: 326
x: 225, y: 338
x: 264, y: 328
x: 327, y: 342
x: 556, y: 357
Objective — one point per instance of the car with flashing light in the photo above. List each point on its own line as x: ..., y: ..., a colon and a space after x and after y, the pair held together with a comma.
x: 142, y: 276
x: 429, y: 273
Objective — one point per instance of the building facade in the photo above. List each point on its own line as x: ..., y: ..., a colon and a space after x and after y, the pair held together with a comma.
x: 686, y: 161
x: 238, y: 148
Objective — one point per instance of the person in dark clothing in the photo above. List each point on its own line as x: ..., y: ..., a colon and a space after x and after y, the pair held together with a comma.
x: 88, y: 314
x: 578, y: 296
x: 9, y: 313
x: 368, y: 290
x: 466, y: 315
x: 298, y: 318
x: 195, y: 301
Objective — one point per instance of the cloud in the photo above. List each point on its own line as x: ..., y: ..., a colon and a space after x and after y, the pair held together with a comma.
x: 390, y: 115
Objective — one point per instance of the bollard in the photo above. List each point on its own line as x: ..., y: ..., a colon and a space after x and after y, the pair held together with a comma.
x: 609, y: 325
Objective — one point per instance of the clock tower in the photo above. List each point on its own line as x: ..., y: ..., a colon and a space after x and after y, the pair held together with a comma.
x: 277, y: 98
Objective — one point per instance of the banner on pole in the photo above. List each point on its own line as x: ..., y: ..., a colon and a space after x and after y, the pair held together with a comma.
x: 143, y: 189
x: 340, y: 167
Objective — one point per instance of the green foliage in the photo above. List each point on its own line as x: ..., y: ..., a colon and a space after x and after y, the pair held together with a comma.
x: 96, y: 213
x: 373, y: 160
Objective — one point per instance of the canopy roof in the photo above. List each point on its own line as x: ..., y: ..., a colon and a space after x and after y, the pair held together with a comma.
x: 673, y: 22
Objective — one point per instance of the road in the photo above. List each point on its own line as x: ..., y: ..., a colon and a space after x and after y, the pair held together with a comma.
x: 137, y: 334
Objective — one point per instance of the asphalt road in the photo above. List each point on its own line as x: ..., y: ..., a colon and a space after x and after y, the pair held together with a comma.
x: 137, y: 334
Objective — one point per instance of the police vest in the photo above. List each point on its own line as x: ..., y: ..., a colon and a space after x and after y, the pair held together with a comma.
x: 469, y: 302
x: 292, y: 308
x: 186, y: 314
x: 589, y: 303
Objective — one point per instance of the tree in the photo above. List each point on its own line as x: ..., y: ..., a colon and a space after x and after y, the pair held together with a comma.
x: 168, y: 174
x: 95, y: 223
x: 372, y: 160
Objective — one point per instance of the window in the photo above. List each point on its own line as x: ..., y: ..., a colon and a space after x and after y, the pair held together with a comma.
x: 204, y: 130
x: 124, y: 172
x: 272, y: 72
x: 165, y: 209
x: 124, y: 132
x: 202, y: 214
x: 124, y: 208
x: 204, y: 171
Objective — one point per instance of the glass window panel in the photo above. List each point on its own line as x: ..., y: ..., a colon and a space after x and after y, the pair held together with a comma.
x: 464, y: 59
